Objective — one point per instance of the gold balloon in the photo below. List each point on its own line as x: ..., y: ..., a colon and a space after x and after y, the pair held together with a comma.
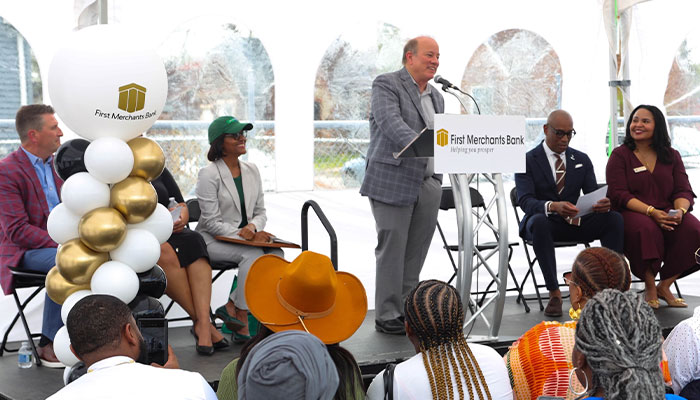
x: 149, y: 159
x: 102, y: 229
x: 76, y: 262
x: 58, y: 288
x: 134, y: 198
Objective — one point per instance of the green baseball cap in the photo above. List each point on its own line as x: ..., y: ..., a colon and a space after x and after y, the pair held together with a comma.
x: 224, y: 125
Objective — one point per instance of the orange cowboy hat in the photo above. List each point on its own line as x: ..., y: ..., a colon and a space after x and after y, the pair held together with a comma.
x: 306, y: 294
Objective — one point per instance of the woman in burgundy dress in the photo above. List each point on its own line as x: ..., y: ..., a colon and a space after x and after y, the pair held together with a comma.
x: 648, y: 184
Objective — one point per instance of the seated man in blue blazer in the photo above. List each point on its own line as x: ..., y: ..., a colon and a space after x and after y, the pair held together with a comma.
x: 554, y: 177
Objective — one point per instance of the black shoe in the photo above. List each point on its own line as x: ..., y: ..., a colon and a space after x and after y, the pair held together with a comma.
x: 392, y: 326
x: 204, y: 350
x: 553, y: 308
x: 221, y: 344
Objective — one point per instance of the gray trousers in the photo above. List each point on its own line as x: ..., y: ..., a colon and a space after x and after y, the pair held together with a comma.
x: 244, y: 256
x: 403, y: 239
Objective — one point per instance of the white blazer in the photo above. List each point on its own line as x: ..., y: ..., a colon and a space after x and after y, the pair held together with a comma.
x: 220, y: 203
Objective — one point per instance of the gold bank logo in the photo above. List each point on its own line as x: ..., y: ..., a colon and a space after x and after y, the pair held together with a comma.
x: 442, y: 137
x: 132, y: 97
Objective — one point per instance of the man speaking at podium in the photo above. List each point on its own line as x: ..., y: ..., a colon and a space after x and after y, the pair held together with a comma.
x: 404, y: 194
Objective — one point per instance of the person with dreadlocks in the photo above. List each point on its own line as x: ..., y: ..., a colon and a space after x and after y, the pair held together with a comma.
x: 539, y: 362
x: 445, y: 366
x: 618, y: 349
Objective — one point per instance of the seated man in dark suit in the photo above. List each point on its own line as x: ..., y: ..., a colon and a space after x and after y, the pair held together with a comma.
x: 553, y: 180
x: 29, y: 190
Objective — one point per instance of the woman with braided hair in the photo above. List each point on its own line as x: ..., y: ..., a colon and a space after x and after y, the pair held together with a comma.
x: 539, y: 362
x: 618, y: 349
x: 445, y: 366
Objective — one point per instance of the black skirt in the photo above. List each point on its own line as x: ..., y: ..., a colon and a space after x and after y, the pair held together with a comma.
x: 189, y: 246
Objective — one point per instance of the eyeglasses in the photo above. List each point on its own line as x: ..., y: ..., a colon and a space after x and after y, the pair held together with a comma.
x: 567, y: 278
x: 237, y: 136
x: 560, y: 133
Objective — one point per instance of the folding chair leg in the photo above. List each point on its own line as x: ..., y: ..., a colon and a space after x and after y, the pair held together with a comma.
x: 675, y: 283
x: 519, y: 288
x: 4, y: 348
x: 20, y: 307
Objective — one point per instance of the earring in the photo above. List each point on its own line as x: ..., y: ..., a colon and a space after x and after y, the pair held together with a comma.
x: 571, y: 386
x: 575, y: 314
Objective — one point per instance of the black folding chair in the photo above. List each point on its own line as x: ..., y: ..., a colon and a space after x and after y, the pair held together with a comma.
x: 23, y: 278
x: 220, y: 267
x: 478, y: 205
x: 532, y: 260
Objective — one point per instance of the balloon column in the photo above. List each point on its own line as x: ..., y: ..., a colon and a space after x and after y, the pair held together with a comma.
x: 109, y: 89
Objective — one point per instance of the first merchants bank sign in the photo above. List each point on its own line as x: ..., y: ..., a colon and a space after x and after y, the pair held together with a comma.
x: 479, y: 143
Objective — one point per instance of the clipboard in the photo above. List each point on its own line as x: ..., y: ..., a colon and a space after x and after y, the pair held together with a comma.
x: 276, y: 242
x: 420, y: 147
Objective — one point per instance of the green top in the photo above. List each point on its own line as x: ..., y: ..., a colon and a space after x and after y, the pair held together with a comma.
x: 239, y: 186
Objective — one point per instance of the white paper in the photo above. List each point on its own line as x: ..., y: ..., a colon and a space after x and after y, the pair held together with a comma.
x: 586, y: 202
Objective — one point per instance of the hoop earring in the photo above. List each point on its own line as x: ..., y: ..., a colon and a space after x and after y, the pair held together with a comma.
x: 571, y: 386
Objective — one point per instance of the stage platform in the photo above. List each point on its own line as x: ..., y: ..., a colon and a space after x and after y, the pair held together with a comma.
x: 371, y: 349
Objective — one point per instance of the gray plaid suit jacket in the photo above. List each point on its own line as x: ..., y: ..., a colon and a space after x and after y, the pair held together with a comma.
x: 396, y: 118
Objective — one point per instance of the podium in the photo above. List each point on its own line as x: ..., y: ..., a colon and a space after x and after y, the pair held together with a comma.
x: 461, y: 174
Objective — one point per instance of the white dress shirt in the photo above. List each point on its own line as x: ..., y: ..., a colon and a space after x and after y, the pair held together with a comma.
x: 121, y: 378
x: 411, y: 379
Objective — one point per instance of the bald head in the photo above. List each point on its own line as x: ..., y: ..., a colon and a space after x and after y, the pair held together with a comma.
x: 558, y: 131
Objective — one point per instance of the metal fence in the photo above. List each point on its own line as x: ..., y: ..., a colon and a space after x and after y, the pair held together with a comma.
x: 339, y: 148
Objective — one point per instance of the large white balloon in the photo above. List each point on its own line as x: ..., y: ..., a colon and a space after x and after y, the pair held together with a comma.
x: 62, y: 224
x: 70, y: 302
x: 140, y: 250
x: 82, y: 193
x: 109, y: 160
x: 116, y: 279
x: 61, y: 346
x: 106, y: 82
x: 159, y: 223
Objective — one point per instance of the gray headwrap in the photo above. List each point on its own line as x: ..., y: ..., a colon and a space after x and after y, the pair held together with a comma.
x: 288, y: 365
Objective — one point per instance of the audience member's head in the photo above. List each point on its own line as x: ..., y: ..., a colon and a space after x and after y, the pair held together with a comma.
x: 288, y: 365
x: 595, y: 269
x: 30, y: 117
x: 618, y: 347
x: 434, y: 321
x: 217, y: 132
x: 661, y: 141
x: 101, y: 326
x: 682, y: 348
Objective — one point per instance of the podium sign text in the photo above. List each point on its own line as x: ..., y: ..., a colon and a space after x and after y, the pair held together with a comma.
x: 479, y: 144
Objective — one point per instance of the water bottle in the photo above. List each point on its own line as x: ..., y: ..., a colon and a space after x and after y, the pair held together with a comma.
x: 172, y: 203
x: 24, y: 356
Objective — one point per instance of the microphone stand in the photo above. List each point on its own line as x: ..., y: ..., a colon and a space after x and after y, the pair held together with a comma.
x: 446, y: 88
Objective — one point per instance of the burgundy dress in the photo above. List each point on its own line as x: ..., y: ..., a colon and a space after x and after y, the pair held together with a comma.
x: 646, y: 244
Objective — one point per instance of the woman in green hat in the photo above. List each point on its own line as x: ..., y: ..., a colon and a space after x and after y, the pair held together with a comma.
x: 230, y: 197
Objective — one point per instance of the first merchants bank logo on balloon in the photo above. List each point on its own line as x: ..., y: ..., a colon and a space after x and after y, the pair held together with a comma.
x: 132, y: 97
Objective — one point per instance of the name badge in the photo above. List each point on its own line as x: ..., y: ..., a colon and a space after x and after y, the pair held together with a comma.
x: 640, y: 169
x: 578, y: 166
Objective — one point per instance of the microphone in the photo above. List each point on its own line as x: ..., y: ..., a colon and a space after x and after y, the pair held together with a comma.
x: 445, y: 83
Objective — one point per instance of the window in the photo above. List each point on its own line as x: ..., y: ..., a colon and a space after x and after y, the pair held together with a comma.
x: 215, y: 67
x: 342, y: 102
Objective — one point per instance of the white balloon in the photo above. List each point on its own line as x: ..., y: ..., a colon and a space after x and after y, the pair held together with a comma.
x: 61, y: 346
x: 105, y: 82
x: 140, y: 250
x: 82, y: 193
x: 159, y: 223
x: 62, y: 224
x: 109, y: 160
x: 70, y: 302
x: 116, y: 279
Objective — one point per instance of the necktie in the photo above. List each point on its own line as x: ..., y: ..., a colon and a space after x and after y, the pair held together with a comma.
x: 560, y: 173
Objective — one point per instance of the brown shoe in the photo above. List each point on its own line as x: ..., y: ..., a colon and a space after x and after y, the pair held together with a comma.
x: 48, y: 357
x: 553, y: 308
